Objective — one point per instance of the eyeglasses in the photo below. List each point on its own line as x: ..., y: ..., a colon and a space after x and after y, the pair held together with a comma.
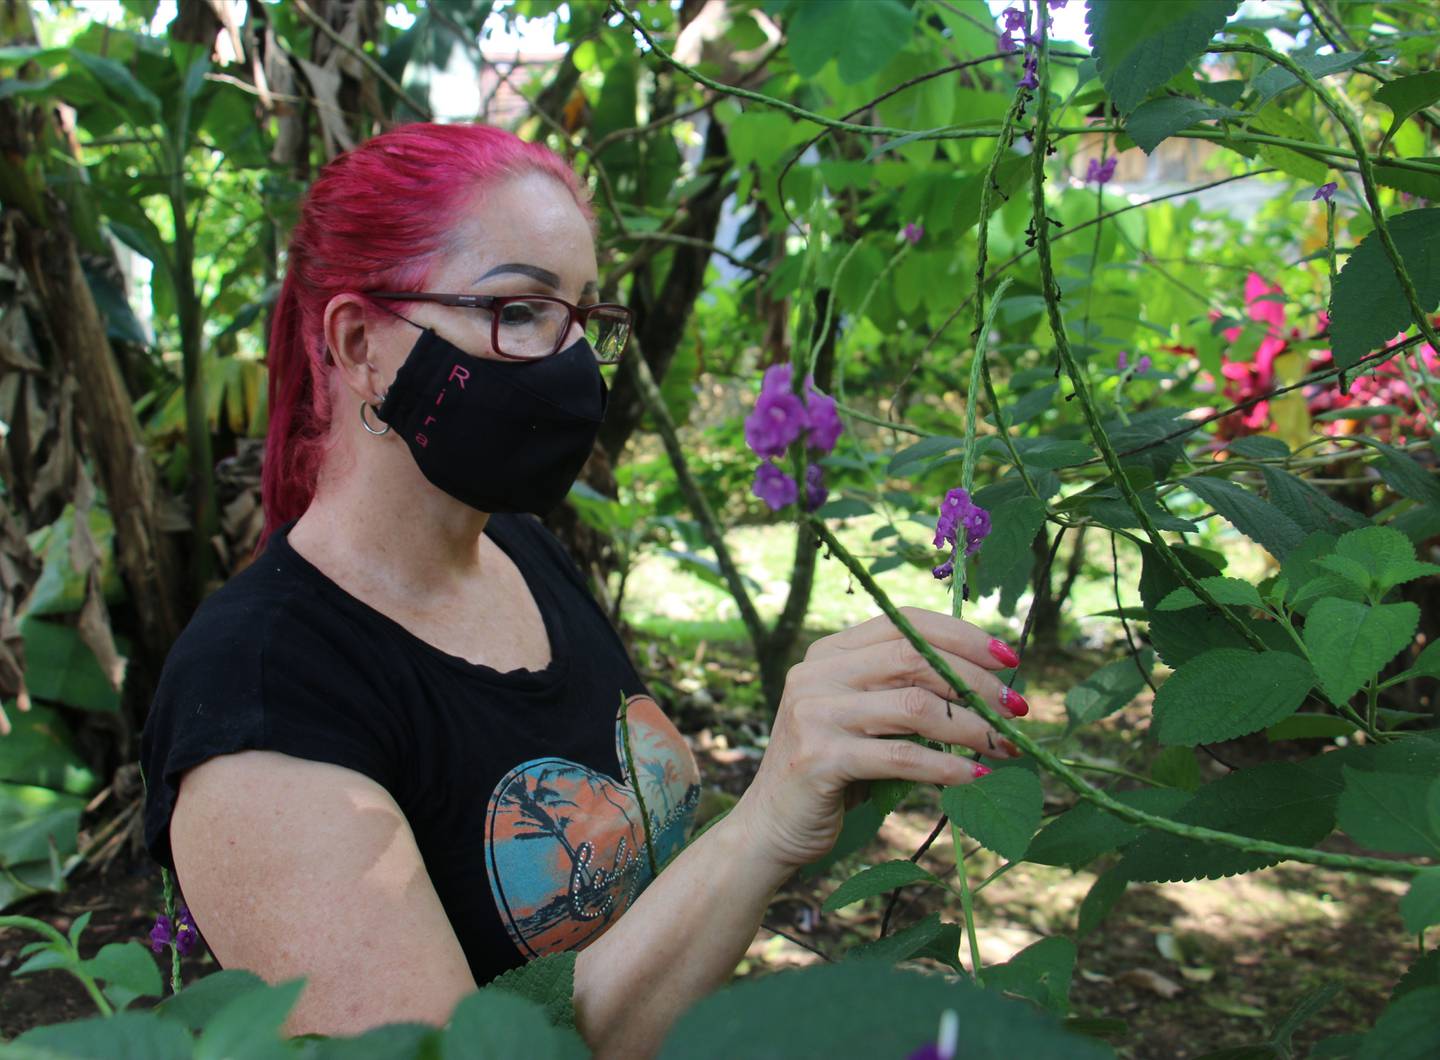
x: 527, y: 327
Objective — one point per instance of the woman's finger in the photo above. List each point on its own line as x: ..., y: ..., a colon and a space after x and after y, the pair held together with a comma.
x: 918, y: 711
x: 903, y: 760
x: 897, y: 664
x: 943, y: 631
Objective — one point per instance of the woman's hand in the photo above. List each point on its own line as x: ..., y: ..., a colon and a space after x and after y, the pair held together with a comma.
x: 854, y: 688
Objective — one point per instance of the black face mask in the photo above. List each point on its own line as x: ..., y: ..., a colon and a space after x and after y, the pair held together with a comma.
x: 500, y: 436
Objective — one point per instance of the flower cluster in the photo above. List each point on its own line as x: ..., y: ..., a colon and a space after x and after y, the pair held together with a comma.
x: 1141, y: 366
x: 182, y: 935
x: 1014, y: 19
x: 1100, y: 172
x: 959, y: 515
x: 778, y: 419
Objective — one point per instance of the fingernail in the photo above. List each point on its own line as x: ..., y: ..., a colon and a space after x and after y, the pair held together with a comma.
x: 1008, y: 746
x: 978, y: 771
x: 1014, y: 702
x: 1003, y: 653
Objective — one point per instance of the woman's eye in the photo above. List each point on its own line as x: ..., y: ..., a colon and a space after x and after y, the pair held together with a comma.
x: 517, y: 313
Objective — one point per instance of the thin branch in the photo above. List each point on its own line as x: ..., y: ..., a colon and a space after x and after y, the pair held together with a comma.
x: 366, y: 60
x: 691, y: 241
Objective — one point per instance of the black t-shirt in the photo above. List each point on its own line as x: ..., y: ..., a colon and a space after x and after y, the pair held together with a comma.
x: 513, y: 783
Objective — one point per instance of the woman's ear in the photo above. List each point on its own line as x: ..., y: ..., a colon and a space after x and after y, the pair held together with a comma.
x: 348, y: 344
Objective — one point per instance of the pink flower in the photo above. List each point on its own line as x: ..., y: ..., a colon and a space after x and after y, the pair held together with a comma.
x: 913, y: 233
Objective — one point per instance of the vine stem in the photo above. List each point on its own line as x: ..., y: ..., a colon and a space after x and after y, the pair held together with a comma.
x: 1051, y: 291
x: 967, y: 902
x: 168, y: 882
x: 1068, y: 775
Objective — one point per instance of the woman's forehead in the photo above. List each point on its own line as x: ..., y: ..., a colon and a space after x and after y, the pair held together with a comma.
x: 528, y: 225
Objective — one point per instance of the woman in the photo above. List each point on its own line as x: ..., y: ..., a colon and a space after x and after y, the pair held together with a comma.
x: 386, y: 756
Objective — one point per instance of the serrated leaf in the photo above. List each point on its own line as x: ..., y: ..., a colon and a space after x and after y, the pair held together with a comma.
x: 1425, y: 972
x: 1381, y: 811
x: 1158, y: 119
x: 1113, y: 687
x: 1000, y: 811
x: 1310, y: 508
x: 1229, y: 692
x: 1085, y: 832
x: 128, y: 965
x: 1421, y: 905
x: 1283, y: 802
x: 1222, y: 590
x: 860, y: 35
x: 1407, y: 1030
x: 497, y: 1023
x: 1407, y: 95
x: 1040, y: 972
x: 1427, y: 664
x: 918, y: 939
x: 1139, y: 45
x: 1405, y: 475
x: 249, y: 1022
x: 1276, y: 122
x: 1367, y: 306
x: 924, y: 449
x: 1175, y: 767
x: 1107, y: 889
x: 1277, y: 79
x: 1387, y: 554
x: 1350, y: 642
x: 1253, y: 516
x: 877, y: 879
x: 547, y: 981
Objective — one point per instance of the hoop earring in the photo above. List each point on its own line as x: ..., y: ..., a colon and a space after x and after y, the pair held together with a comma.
x: 366, y: 423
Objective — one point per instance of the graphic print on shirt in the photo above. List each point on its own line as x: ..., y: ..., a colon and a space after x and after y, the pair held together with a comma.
x: 565, y: 845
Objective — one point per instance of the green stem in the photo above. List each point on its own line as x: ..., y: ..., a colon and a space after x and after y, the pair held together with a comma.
x: 967, y: 903
x: 1051, y: 291
x: 168, y: 882
x: 1114, y: 771
x: 1072, y: 779
x: 1001, y: 871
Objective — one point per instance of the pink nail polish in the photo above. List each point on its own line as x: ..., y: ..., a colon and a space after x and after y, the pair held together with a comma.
x: 1003, y: 653
x: 980, y: 771
x: 1014, y: 702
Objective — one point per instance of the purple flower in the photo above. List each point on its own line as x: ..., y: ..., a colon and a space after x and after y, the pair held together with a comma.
x: 778, y: 417
x: 823, y: 426
x: 185, y: 932
x: 1100, y: 172
x: 1056, y: 5
x: 959, y: 514
x: 913, y: 233
x: 1325, y: 191
x: 1031, y: 80
x: 1007, y: 44
x: 1143, y: 366
x: 1014, y: 19
x: 774, y: 487
x: 1123, y: 361
x: 945, y: 569
x: 815, y: 491
x: 160, y: 935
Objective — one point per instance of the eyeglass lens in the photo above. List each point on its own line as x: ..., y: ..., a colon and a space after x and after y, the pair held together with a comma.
x: 536, y: 329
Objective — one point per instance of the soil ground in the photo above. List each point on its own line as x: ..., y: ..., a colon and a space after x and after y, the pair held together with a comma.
x: 1190, y: 968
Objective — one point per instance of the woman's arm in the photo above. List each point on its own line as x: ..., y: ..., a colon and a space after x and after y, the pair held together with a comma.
x: 687, y: 931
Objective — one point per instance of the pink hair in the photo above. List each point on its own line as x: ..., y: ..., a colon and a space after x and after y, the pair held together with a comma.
x: 375, y: 219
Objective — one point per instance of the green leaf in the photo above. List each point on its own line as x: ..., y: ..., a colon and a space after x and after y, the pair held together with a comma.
x: 1100, y: 900
x: 1040, y: 972
x: 1176, y: 767
x: 1254, y: 517
x: 860, y: 35
x: 1108, y: 689
x: 1407, y: 1030
x: 196, y: 1005
x: 861, y: 1008
x: 1222, y: 590
x: 248, y: 1026
x: 923, y: 450
x: 1000, y: 811
x: 30, y: 817
x: 1421, y: 905
x: 1283, y: 802
x: 1159, y: 119
x: 1407, y: 95
x: 858, y: 829
x: 1386, y: 553
x: 1310, y: 727
x: 60, y: 668
x: 1423, y: 973
x: 127, y: 965
x: 547, y: 981
x: 139, y: 103
x: 1229, y: 692
x: 1277, y: 122
x: 1350, y: 642
x: 1313, y: 510
x: 1052, y: 452
x: 1013, y: 526
x: 1139, y: 45
x: 1427, y: 664
x: 497, y: 1024
x: 1277, y: 79
x: 123, y: 1036
x: 877, y: 879
x: 925, y: 938
x: 1404, y: 474
x: 41, y: 750
x: 1382, y: 811
x: 1367, y: 306
x: 1085, y: 832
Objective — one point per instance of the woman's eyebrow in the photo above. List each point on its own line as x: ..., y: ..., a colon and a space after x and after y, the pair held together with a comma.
x: 535, y: 272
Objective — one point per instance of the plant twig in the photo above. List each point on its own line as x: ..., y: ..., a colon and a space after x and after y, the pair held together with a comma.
x: 366, y: 60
